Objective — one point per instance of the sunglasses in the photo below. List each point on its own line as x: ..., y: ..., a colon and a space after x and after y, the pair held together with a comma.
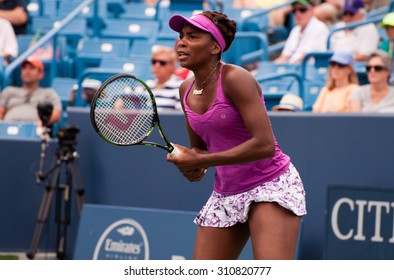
x: 377, y: 68
x: 300, y: 9
x: 336, y: 64
x: 161, y: 62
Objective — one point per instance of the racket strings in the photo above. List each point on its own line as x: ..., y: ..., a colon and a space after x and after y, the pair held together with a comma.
x: 124, y: 111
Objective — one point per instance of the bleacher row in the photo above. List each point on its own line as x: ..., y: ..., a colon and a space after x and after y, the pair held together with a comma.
x: 112, y: 36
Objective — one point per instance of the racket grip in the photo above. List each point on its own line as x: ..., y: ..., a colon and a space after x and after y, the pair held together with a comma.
x: 175, y: 152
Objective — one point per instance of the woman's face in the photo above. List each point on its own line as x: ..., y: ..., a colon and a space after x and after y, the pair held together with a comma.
x: 377, y: 72
x: 339, y: 71
x: 194, y: 46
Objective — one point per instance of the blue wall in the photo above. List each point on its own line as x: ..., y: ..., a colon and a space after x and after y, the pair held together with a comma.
x: 326, y: 149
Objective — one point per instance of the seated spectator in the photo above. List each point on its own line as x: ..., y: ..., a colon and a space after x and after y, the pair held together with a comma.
x: 20, y: 103
x: 309, y: 35
x: 329, y: 11
x: 341, y: 80
x: 388, y: 24
x: 289, y: 103
x: 166, y: 84
x: 15, y: 11
x: 361, y: 41
x: 8, y: 42
x: 378, y: 95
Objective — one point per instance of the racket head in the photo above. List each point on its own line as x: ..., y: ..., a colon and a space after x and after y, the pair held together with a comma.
x: 123, y: 110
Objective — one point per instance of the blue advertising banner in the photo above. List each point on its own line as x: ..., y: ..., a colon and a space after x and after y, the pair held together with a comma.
x: 128, y: 233
x: 359, y: 223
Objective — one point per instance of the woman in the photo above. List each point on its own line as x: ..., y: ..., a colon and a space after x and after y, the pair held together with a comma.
x: 378, y: 95
x: 257, y: 191
x: 341, y: 80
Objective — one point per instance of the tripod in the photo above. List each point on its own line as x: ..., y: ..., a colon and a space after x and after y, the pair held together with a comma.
x: 66, y: 159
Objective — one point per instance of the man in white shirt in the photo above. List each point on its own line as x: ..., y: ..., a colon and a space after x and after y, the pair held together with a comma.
x: 360, y: 41
x: 309, y: 35
x: 8, y: 42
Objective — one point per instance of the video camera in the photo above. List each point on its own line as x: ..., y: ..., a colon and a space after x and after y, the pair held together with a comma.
x: 67, y: 135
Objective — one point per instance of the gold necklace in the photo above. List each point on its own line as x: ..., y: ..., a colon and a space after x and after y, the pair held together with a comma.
x: 199, y: 91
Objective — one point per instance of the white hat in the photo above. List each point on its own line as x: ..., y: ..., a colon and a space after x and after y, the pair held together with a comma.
x: 289, y: 102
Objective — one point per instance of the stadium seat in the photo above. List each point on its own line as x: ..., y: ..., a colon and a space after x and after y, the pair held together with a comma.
x: 314, y: 65
x: 270, y: 67
x: 144, y: 47
x: 276, y: 85
x: 42, y: 8
x: 273, y: 90
x: 18, y: 130
x: 311, y: 92
x: 63, y: 86
x: 130, y: 29
x: 137, y: 66
x: 248, y: 19
x: 135, y: 11
x: 91, y: 51
x: 248, y: 47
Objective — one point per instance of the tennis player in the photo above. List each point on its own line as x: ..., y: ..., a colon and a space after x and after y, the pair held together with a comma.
x: 257, y: 191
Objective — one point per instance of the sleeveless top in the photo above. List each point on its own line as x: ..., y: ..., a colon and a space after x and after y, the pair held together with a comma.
x: 222, y: 128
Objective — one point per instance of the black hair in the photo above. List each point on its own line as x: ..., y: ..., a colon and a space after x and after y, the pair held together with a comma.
x: 227, y: 27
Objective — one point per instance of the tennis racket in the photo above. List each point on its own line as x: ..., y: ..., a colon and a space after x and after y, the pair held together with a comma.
x: 124, y: 113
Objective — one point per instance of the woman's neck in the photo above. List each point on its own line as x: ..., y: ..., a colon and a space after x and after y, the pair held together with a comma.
x: 379, y: 88
x: 343, y: 82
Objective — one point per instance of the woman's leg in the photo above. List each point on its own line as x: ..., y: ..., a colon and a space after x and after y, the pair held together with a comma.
x: 273, y: 230
x: 220, y: 243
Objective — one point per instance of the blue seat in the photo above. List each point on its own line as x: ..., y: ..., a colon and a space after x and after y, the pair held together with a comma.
x: 144, y: 47
x: 314, y: 65
x: 41, y: 8
x: 247, y: 47
x: 273, y: 90
x: 270, y: 67
x: 135, y: 10
x: 91, y: 51
x: 130, y: 29
x: 65, y: 7
x: 63, y: 86
x: 247, y: 19
x: 18, y: 130
x: 311, y: 92
x: 137, y: 66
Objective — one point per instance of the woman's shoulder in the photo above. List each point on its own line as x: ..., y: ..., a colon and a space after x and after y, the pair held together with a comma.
x: 232, y: 72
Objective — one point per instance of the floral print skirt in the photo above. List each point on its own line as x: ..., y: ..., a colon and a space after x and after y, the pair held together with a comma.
x: 226, y: 210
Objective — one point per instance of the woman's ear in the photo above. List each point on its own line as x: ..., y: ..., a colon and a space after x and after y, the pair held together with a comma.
x: 215, y: 49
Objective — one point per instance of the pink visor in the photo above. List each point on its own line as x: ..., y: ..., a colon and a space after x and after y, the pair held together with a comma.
x: 177, y: 22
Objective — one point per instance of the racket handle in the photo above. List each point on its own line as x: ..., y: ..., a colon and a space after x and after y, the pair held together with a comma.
x: 175, y: 152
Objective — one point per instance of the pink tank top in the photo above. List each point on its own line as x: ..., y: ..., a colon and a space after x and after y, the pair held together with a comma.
x: 222, y: 128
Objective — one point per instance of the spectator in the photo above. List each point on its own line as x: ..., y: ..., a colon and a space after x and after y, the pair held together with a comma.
x: 309, y: 35
x: 341, y: 80
x: 8, y: 42
x: 166, y: 84
x: 362, y: 40
x: 290, y: 103
x: 388, y: 24
x: 15, y: 11
x: 329, y: 11
x: 20, y: 103
x: 378, y: 95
